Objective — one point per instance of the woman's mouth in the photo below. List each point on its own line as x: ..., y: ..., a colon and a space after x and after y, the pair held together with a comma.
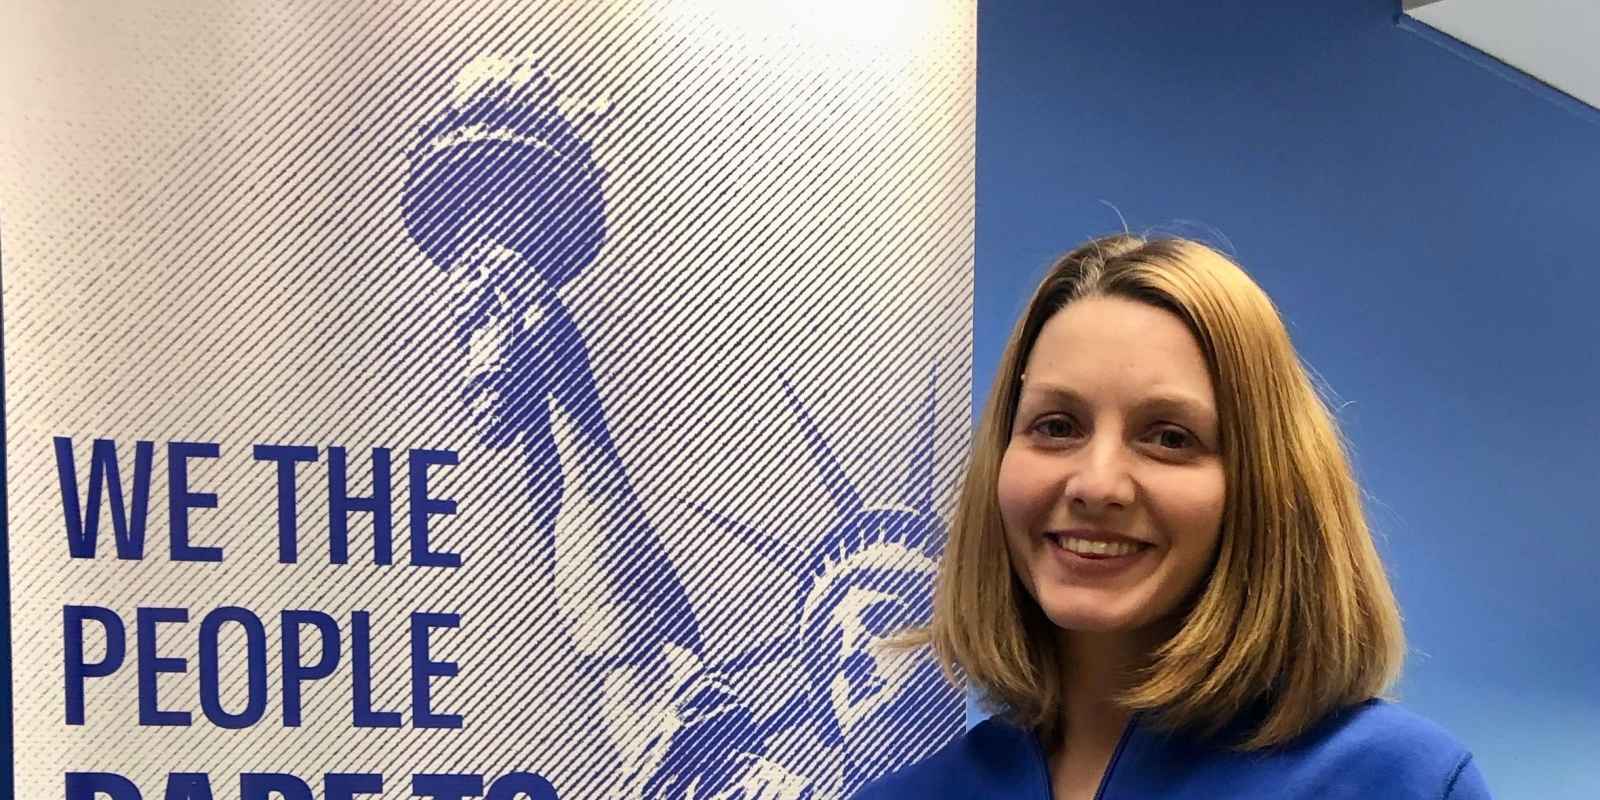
x: 1096, y: 556
x: 1096, y: 548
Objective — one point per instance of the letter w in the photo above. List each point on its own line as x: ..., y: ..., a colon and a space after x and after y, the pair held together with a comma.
x: 83, y: 524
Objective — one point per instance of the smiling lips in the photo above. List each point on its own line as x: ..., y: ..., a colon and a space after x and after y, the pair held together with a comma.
x: 1096, y: 545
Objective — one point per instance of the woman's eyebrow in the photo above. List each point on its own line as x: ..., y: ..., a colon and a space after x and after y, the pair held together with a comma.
x: 1162, y: 402
x: 1051, y: 391
x: 1180, y: 404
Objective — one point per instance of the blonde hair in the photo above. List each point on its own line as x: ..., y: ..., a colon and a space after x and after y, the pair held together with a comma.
x: 1296, y: 619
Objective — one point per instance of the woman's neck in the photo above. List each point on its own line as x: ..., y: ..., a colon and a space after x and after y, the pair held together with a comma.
x: 1100, y: 668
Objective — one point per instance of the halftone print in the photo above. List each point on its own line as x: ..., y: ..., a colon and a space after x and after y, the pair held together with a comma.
x: 566, y: 397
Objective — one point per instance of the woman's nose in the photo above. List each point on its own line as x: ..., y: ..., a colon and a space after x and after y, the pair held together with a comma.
x: 1100, y: 479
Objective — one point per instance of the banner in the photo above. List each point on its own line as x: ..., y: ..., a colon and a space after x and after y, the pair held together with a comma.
x: 480, y: 399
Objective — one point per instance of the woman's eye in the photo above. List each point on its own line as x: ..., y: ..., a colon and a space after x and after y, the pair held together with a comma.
x: 1174, y: 439
x: 1055, y: 427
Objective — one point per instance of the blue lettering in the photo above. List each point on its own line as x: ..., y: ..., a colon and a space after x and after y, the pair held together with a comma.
x: 181, y: 500
x: 446, y: 787
x: 525, y: 784
x: 361, y: 676
x: 423, y: 506
x: 150, y: 666
x: 78, y: 670
x: 295, y: 672
x: 341, y: 503
x: 346, y: 785
x: 91, y: 785
x: 335, y: 786
x: 288, y: 519
x: 188, y: 786
x: 255, y: 654
x: 258, y: 785
x: 423, y: 667
x: 83, y: 524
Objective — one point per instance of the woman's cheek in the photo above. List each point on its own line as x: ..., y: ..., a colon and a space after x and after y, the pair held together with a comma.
x: 1010, y: 489
x: 1017, y: 494
x: 1191, y: 508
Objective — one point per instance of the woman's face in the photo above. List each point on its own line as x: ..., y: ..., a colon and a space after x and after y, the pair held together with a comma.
x: 1112, y: 487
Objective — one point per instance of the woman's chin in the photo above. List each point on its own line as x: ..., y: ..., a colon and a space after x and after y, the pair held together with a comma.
x: 1081, y: 623
x: 1093, y: 615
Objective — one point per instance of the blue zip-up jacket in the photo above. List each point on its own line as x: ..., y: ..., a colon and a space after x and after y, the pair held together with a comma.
x: 1374, y: 751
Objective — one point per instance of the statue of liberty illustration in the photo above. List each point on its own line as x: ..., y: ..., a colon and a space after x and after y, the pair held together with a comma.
x: 504, y: 193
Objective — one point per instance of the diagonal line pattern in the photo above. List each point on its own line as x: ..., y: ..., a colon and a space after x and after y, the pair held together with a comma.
x: 778, y: 209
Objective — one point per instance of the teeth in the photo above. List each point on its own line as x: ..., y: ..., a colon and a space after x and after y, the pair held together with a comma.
x: 1088, y: 548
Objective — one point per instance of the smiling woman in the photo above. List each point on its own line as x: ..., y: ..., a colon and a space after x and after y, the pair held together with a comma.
x: 1160, y: 575
x: 1116, y: 417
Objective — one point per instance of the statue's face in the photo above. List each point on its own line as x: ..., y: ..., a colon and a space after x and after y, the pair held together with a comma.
x: 499, y: 306
x: 869, y: 677
x: 886, y: 703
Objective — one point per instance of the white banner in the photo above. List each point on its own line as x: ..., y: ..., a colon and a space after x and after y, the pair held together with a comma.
x: 480, y: 399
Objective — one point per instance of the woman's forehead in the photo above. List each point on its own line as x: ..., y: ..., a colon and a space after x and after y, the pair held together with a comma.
x: 1111, y: 346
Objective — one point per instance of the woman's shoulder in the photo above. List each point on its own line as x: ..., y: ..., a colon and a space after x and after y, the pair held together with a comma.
x: 1389, y: 742
x: 1375, y: 749
x: 993, y: 759
x: 1384, y: 731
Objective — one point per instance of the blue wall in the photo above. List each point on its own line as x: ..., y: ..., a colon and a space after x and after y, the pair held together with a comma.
x: 1432, y: 233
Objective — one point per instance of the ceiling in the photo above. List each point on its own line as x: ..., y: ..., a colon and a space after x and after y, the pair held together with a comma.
x: 1556, y: 41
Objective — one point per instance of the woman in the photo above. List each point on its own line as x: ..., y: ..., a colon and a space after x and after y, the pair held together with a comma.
x: 1159, y: 573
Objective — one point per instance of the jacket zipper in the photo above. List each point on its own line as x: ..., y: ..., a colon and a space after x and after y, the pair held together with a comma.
x: 1105, y: 780
x: 1111, y: 766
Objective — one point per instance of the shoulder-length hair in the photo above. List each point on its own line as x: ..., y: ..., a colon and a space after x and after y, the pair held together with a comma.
x: 1296, y: 619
